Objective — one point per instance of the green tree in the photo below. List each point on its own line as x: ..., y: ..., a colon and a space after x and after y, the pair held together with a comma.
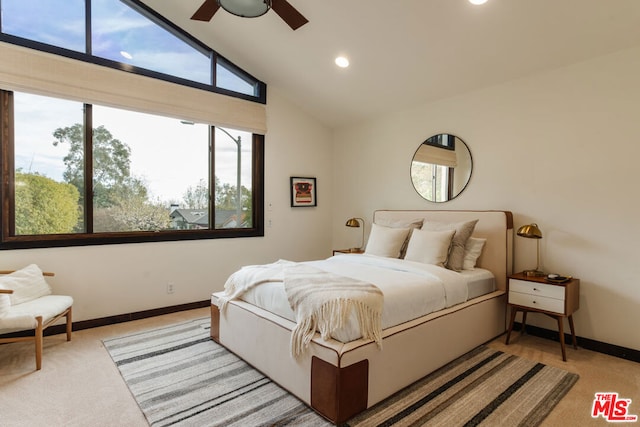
x: 225, y: 196
x: 225, y: 199
x: 44, y: 206
x: 197, y: 197
x: 111, y: 165
x: 133, y: 214
x: 120, y: 200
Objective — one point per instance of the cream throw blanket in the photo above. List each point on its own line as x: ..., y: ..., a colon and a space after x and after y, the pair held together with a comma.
x: 321, y: 300
x: 249, y: 277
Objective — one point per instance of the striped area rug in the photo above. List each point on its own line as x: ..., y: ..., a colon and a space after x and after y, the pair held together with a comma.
x: 179, y: 377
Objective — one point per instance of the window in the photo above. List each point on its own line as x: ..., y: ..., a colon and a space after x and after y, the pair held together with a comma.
x: 45, y: 202
x: 56, y: 23
x: 126, y: 35
x: 233, y: 183
x: 232, y: 78
x: 139, y: 177
x: 431, y: 180
x: 122, y: 34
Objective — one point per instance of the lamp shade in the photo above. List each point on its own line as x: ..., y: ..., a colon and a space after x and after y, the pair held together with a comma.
x: 246, y: 8
x: 353, y: 222
x: 530, y: 231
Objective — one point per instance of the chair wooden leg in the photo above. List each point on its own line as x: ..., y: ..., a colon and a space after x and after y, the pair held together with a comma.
x: 69, y: 322
x: 38, y: 340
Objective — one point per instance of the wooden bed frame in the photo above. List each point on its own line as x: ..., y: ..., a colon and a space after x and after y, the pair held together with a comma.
x: 340, y: 380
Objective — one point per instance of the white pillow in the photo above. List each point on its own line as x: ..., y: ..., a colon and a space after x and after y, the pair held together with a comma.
x: 472, y: 251
x: 386, y: 241
x: 429, y: 247
x: 5, y: 304
x: 27, y: 284
x: 399, y: 223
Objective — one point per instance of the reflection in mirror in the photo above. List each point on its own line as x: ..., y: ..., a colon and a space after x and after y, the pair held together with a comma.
x: 441, y: 168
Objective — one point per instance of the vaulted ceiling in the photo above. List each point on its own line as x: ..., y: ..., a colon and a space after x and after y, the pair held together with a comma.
x: 408, y: 52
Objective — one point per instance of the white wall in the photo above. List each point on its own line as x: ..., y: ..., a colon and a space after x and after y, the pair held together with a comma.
x: 116, y: 279
x: 560, y: 149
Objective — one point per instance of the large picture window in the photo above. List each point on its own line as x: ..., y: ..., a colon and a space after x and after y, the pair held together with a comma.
x: 90, y: 174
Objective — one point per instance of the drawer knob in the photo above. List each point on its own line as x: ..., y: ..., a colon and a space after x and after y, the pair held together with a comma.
x: 536, y: 289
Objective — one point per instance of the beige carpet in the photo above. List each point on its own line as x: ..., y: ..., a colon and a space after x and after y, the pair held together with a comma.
x: 80, y: 386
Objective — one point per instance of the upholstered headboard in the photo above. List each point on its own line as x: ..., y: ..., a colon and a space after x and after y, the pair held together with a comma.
x: 495, y: 226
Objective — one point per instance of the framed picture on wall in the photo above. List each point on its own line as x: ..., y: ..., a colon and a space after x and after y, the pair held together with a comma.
x: 303, y: 191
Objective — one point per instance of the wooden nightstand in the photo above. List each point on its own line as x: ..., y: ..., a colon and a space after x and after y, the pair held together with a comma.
x: 348, y: 251
x: 538, y: 295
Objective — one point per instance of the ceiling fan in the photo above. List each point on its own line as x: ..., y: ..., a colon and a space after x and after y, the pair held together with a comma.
x: 251, y: 9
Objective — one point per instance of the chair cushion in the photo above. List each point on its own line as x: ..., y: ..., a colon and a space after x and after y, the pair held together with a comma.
x: 23, y: 316
x: 27, y: 284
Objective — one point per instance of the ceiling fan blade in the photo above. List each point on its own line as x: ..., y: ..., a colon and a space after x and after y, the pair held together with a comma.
x: 288, y: 13
x: 206, y: 11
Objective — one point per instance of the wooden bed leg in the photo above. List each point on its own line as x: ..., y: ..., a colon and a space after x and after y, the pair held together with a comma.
x: 339, y: 393
x: 215, y: 323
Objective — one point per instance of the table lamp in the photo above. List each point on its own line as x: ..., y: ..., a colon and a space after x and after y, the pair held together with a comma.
x: 355, y: 222
x: 531, y: 231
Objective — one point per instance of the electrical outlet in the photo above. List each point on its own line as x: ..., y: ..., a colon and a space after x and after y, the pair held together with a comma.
x: 170, y: 287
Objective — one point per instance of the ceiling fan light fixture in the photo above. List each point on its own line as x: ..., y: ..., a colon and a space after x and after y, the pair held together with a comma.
x: 246, y: 8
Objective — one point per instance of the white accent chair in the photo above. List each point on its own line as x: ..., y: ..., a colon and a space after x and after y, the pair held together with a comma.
x: 27, y: 303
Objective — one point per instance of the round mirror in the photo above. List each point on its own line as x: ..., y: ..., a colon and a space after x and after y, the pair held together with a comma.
x: 441, y: 168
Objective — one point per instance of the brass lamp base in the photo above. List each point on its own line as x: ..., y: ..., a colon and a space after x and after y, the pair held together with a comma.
x: 534, y: 273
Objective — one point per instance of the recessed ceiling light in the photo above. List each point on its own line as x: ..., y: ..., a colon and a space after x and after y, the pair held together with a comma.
x: 342, y: 62
x: 477, y: 1
x: 126, y: 54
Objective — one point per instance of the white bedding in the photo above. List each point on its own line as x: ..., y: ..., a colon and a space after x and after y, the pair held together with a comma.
x: 410, y: 289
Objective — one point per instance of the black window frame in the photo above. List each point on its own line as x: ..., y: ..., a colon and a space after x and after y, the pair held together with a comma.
x: 9, y: 240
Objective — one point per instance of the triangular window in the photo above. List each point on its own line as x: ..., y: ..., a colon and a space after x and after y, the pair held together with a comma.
x: 127, y: 35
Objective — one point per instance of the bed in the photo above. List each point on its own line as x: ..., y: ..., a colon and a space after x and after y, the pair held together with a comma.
x: 342, y: 375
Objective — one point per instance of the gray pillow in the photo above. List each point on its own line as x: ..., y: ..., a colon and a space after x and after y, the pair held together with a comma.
x: 455, y: 260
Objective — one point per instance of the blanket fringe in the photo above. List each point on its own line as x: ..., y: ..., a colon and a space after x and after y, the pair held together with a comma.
x: 332, y: 316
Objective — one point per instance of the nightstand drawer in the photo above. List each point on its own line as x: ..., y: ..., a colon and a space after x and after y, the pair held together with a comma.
x: 537, y: 302
x: 534, y: 288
